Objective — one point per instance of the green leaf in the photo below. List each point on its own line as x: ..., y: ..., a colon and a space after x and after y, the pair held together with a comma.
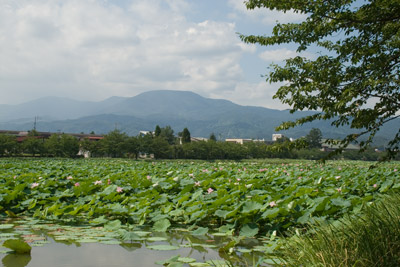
x: 113, y: 225
x: 130, y: 236
x: 170, y: 260
x: 200, y: 231
x: 305, y: 218
x: 200, y: 264
x: 162, y: 247
x: 250, y: 206
x: 161, y: 225
x: 221, y: 213
x: 108, y: 190
x: 99, y: 220
x: 186, y: 260
x: 385, y: 186
x: 270, y: 213
x: 6, y: 226
x: 156, y: 238
x: 17, y: 245
x: 340, y: 202
x: 249, y: 230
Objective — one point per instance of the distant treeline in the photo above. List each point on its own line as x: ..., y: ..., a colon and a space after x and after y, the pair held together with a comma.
x: 162, y: 144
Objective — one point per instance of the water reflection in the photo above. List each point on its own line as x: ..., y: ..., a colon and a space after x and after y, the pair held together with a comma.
x: 99, y: 255
x: 66, y: 249
x: 16, y: 260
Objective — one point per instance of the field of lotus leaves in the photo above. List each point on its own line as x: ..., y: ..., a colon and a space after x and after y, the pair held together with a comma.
x: 239, y: 199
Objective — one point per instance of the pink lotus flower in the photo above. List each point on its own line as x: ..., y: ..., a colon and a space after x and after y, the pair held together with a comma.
x: 272, y: 204
x: 108, y: 181
x: 339, y: 189
x: 210, y: 190
x: 98, y: 182
x: 375, y: 185
x: 337, y: 177
x: 34, y: 185
x: 77, y: 184
x: 15, y: 177
x: 191, y: 174
x: 69, y: 178
x: 148, y: 177
x: 197, y: 183
x: 119, y: 189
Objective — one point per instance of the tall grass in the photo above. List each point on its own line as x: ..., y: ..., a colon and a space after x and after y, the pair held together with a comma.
x: 369, y: 239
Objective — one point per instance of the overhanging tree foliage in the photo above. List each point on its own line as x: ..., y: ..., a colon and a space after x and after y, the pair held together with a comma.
x: 355, y: 79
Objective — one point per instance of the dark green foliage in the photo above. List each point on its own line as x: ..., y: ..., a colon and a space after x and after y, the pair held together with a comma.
x: 33, y: 145
x: 132, y: 146
x: 161, y: 148
x: 167, y: 133
x: 62, y: 145
x: 93, y: 147
x: 157, y: 131
x: 8, y: 144
x: 356, y: 81
x: 212, y: 137
x: 113, y: 143
x: 185, y: 136
x: 314, y: 138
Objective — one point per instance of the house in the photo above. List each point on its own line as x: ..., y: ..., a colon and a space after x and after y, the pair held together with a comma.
x: 238, y: 140
x: 198, y: 139
x: 143, y: 133
x: 275, y: 137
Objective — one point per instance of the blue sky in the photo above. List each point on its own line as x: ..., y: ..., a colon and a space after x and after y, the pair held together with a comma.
x: 95, y: 49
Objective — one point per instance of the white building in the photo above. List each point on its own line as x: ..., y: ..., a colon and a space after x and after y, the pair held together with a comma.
x: 275, y: 137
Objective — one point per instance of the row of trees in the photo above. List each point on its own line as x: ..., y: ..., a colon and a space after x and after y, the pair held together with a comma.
x: 163, y: 144
x: 58, y: 145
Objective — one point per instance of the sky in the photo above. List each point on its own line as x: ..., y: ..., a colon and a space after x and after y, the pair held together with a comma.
x: 93, y: 49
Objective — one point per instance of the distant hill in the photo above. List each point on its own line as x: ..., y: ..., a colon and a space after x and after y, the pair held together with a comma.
x: 179, y: 109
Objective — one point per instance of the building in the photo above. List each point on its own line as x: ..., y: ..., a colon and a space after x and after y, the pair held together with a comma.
x: 238, y: 140
x: 143, y: 133
x: 198, y: 139
x: 275, y: 137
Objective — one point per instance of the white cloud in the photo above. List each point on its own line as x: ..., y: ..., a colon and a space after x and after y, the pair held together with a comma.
x: 253, y: 94
x: 265, y: 16
x: 95, y: 49
x: 277, y: 55
x: 91, y: 50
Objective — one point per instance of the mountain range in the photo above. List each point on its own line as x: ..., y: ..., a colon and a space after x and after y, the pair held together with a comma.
x: 179, y: 109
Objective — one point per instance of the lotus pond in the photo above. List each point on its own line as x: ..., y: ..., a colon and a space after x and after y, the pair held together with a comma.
x: 107, y: 212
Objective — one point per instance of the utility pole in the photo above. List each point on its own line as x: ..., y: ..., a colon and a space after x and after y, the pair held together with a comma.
x: 35, y: 122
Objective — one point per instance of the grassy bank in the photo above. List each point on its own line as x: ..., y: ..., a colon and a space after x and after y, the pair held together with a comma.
x: 369, y: 239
